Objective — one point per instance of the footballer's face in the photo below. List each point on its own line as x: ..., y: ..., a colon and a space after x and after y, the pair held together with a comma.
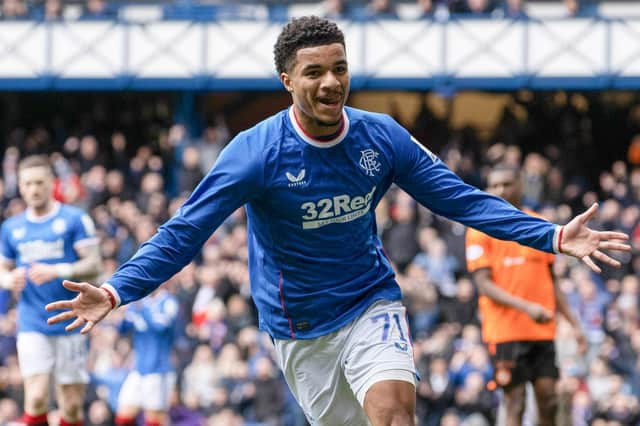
x: 318, y: 81
x: 35, y: 187
x: 505, y: 184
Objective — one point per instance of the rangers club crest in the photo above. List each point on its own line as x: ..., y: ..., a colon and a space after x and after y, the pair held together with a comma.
x: 369, y: 162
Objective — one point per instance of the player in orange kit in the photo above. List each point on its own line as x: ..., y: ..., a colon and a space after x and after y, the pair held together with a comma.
x: 518, y: 301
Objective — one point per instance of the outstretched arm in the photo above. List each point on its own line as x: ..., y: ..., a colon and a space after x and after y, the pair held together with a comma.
x: 430, y: 182
x: 88, y: 308
x: 236, y: 179
x: 578, y: 240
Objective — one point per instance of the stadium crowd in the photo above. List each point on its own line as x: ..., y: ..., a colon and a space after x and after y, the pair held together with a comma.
x: 440, y: 10
x: 226, y: 375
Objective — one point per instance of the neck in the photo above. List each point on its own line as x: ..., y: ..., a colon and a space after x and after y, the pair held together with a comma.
x: 315, y: 128
x: 43, y: 210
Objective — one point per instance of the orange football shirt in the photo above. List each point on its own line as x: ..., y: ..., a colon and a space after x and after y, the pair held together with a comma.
x: 520, y: 271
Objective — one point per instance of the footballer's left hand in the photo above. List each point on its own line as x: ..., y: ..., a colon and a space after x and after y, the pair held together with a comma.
x: 578, y: 240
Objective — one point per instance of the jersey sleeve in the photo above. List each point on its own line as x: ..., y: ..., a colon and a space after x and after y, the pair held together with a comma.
x: 427, y: 179
x: 477, y: 250
x: 83, y: 231
x: 7, y: 251
x: 236, y: 178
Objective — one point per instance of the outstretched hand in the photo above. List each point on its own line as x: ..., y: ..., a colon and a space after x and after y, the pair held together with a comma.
x: 586, y: 244
x: 88, y: 307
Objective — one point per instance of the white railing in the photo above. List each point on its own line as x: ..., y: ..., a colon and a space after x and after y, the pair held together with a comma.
x: 587, y: 53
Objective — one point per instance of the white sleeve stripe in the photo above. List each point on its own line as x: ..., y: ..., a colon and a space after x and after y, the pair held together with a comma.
x: 87, y: 242
x: 556, y: 235
x: 113, y: 291
x: 425, y: 149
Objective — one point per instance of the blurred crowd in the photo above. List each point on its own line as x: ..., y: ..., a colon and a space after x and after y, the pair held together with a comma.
x: 225, y: 366
x: 441, y: 10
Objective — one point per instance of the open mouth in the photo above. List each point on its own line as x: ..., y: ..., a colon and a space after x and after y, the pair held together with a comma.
x: 330, y: 102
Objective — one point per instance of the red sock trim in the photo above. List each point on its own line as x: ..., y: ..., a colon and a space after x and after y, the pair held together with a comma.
x: 125, y: 421
x: 63, y: 422
x: 39, y: 420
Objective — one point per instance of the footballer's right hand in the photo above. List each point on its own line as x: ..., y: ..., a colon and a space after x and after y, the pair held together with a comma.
x: 88, y: 307
x: 18, y: 278
x: 539, y: 313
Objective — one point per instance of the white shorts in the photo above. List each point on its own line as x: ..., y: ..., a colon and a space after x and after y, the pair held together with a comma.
x: 65, y: 356
x: 330, y: 375
x: 148, y: 392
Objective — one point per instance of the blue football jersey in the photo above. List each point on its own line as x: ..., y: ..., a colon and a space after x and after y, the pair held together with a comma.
x: 316, y: 262
x: 152, y: 322
x: 27, y: 239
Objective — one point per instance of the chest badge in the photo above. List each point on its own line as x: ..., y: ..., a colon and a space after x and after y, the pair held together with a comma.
x: 59, y: 226
x: 369, y: 162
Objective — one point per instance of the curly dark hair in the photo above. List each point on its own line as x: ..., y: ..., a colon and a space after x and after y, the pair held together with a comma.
x: 306, y: 31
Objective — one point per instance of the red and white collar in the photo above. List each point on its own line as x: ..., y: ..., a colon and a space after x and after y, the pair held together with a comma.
x: 316, y: 142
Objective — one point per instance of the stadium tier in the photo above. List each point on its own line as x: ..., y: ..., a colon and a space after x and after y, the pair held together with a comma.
x: 235, y: 54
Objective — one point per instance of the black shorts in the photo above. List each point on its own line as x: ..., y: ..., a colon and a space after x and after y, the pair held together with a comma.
x: 519, y: 362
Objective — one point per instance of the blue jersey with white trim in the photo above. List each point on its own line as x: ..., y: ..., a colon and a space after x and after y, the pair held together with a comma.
x: 316, y: 262
x: 26, y: 239
x: 153, y: 324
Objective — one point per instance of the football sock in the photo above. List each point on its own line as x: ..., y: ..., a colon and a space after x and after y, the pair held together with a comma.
x: 125, y: 421
x: 39, y: 420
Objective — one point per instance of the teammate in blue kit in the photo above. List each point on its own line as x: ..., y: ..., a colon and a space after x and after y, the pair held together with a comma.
x: 148, y: 387
x: 39, y: 248
x: 311, y: 177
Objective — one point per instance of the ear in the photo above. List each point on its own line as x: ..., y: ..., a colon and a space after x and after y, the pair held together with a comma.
x: 286, y: 82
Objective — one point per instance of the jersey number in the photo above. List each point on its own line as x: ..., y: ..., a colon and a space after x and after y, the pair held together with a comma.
x: 387, y: 325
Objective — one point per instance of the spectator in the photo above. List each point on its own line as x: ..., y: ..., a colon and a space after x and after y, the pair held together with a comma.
x: 98, y: 9
x: 381, y: 9
x: 99, y: 414
x: 268, y: 393
x: 335, y: 9
x: 438, y: 264
x: 421, y: 300
x: 119, y: 155
x: 190, y: 171
x: 435, y: 393
x: 479, y: 8
x: 52, y: 10
x: 514, y: 9
x: 400, y: 240
x: 14, y: 10
x: 426, y: 8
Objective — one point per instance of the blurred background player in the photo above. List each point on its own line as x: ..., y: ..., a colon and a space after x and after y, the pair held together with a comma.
x: 518, y: 301
x: 47, y: 243
x: 148, y: 387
